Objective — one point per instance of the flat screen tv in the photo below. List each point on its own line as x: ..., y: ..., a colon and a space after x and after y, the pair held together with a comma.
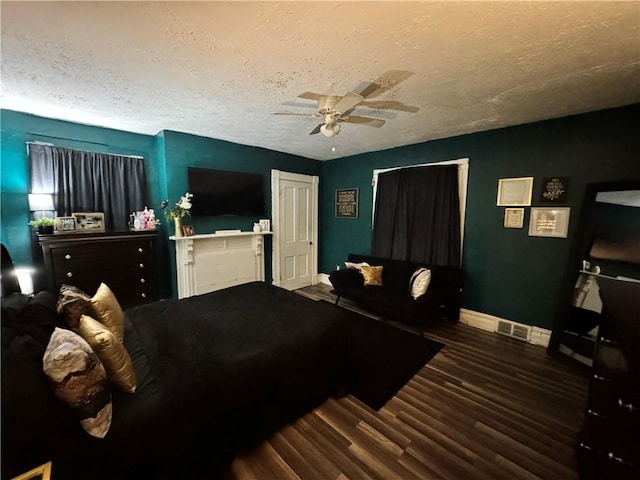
x: 223, y: 192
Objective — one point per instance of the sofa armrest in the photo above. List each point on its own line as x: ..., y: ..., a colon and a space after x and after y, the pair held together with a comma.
x: 346, y: 278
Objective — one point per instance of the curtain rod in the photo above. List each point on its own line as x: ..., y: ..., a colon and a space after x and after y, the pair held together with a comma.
x: 71, y: 139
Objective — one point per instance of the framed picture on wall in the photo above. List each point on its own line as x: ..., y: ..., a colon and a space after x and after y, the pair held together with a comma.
x: 513, y: 217
x: 549, y: 222
x: 347, y: 203
x: 554, y: 190
x: 514, y: 192
x: 89, y: 222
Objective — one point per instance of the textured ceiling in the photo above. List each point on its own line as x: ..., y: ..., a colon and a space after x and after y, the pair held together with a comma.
x: 221, y: 69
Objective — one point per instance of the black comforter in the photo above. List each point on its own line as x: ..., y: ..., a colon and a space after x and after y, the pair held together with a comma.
x: 215, y: 372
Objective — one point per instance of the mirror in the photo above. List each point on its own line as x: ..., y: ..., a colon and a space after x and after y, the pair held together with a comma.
x: 607, y: 245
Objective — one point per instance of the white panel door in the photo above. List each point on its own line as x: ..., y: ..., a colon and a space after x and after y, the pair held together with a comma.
x: 296, y: 233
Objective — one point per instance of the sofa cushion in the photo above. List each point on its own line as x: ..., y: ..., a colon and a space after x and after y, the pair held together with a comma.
x: 112, y: 354
x: 79, y: 380
x: 372, y: 275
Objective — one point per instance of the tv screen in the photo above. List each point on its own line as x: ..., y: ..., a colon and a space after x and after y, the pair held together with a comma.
x: 223, y: 192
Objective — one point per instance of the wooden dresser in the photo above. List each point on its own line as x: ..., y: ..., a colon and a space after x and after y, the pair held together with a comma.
x: 608, y: 445
x: 124, y: 261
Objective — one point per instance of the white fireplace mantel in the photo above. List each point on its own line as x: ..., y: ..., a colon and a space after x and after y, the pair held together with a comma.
x: 209, y: 262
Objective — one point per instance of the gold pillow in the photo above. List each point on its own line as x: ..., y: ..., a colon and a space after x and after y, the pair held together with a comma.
x: 372, y: 275
x: 111, y: 353
x: 107, y: 311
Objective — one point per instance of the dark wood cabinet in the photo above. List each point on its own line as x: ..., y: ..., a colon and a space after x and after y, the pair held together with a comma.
x: 123, y: 260
x: 608, y: 446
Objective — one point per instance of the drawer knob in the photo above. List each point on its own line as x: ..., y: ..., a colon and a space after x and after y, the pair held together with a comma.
x: 142, y: 280
x: 144, y: 295
x: 69, y: 274
x: 67, y: 257
x: 626, y: 406
x: 140, y: 249
x: 612, y: 458
x: 142, y: 265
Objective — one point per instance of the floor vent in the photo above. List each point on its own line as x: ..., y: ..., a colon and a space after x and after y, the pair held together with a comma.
x: 515, y: 330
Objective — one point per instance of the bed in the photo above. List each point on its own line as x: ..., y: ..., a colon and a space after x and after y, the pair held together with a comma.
x: 215, y: 373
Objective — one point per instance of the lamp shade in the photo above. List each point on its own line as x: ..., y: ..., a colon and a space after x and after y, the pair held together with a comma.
x: 41, y: 202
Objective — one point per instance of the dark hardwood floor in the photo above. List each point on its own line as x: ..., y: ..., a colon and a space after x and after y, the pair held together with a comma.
x: 485, y: 407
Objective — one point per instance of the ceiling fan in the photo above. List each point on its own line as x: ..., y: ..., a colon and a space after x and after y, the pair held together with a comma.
x: 335, y: 110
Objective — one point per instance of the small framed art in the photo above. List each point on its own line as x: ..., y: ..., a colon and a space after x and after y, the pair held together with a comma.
x: 65, y: 225
x: 265, y: 225
x: 188, y: 230
x: 513, y: 217
x: 554, y: 190
x: 514, y: 192
x: 89, y: 222
x: 347, y: 203
x: 549, y: 222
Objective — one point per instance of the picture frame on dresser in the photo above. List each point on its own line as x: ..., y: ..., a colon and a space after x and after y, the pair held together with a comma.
x: 89, y: 222
x: 65, y: 225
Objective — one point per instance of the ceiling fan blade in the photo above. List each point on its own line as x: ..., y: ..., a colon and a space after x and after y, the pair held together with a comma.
x: 317, y: 129
x: 347, y: 102
x: 367, y: 88
x: 389, y: 105
x: 310, y: 115
x: 311, y: 96
x: 369, y: 122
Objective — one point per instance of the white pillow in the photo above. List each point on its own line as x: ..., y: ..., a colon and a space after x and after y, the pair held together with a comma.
x: 419, y: 282
x: 357, y: 266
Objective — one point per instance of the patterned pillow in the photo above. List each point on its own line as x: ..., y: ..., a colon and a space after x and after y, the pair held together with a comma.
x: 419, y: 282
x: 107, y: 311
x: 79, y: 380
x: 372, y: 275
x: 111, y: 353
x: 72, y: 304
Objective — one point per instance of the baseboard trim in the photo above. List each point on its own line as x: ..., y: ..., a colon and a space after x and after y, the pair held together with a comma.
x: 483, y: 321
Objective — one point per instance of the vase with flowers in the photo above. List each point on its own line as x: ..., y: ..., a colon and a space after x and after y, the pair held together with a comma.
x: 178, y: 211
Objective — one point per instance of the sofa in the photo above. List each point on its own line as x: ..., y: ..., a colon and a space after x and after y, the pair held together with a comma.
x: 393, y: 299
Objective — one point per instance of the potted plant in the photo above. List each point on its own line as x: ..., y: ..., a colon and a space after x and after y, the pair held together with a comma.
x: 43, y: 225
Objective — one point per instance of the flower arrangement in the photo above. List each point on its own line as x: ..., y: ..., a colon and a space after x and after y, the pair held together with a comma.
x: 180, y: 209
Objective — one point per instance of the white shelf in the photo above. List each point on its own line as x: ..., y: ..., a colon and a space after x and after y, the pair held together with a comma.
x: 218, y: 235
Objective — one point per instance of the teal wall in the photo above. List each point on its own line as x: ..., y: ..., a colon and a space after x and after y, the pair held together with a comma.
x: 16, y: 129
x: 182, y: 150
x: 507, y: 273
x: 167, y: 156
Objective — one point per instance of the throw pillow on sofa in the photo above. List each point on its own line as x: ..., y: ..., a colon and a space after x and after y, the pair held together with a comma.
x: 79, y: 380
x: 419, y: 282
x: 372, y: 275
x: 112, y: 354
x: 356, y: 266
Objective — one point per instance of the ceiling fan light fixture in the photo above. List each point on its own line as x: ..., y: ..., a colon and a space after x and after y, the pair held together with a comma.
x: 330, y: 130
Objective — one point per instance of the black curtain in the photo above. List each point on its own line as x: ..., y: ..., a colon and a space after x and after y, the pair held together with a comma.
x: 89, y: 182
x: 417, y: 215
